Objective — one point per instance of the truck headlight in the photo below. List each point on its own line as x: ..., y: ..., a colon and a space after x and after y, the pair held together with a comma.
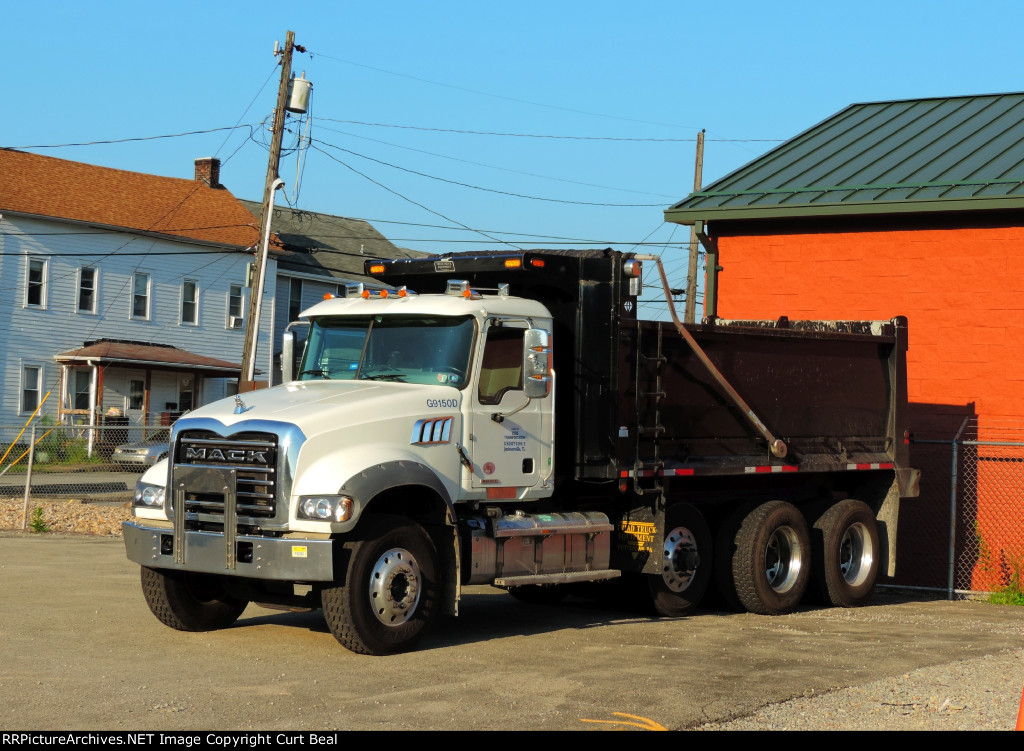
x: 325, y: 508
x: 148, y: 495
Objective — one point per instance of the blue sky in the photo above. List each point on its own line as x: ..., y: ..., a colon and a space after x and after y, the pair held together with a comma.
x: 394, y: 82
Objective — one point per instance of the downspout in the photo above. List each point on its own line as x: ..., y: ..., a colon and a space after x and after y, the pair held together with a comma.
x: 712, y: 269
x: 92, y: 404
x: 250, y: 374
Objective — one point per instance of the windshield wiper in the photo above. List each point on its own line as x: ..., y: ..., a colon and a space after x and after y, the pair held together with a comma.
x: 321, y: 373
x: 385, y: 377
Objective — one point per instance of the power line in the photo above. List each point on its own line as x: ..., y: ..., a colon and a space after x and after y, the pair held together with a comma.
x: 487, y: 190
x: 497, y: 96
x: 503, y: 169
x: 126, y: 140
x: 406, y: 198
x: 548, y: 135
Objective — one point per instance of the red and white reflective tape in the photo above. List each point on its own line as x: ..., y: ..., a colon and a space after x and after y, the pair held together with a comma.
x: 756, y: 470
x: 771, y: 468
x: 656, y: 473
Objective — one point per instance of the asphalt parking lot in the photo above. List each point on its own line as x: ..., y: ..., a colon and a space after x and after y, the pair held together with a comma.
x: 82, y: 652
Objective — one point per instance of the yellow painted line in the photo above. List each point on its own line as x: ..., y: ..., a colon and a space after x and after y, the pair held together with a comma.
x: 643, y: 723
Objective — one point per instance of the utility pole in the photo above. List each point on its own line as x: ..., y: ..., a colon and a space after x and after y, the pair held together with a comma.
x: 690, y: 311
x: 247, y: 380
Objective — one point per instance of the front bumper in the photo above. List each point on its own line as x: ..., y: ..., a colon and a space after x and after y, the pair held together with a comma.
x: 278, y: 558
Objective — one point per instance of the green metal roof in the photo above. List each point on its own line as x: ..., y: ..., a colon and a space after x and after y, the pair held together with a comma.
x: 915, y: 155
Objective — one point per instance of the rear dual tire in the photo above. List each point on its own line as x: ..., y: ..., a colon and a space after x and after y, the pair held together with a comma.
x: 771, y: 564
x: 846, y: 553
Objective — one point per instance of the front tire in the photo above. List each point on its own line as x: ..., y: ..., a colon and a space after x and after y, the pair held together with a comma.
x: 189, y: 602
x: 771, y: 565
x: 685, y: 563
x: 389, y: 597
x: 846, y: 554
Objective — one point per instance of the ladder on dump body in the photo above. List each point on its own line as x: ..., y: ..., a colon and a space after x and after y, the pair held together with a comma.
x: 648, y: 467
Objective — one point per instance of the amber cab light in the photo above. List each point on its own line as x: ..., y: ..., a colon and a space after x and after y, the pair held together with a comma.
x: 377, y: 268
x: 513, y: 263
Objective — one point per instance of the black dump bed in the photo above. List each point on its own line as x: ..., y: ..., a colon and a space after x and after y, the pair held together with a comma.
x: 635, y: 396
x: 833, y: 391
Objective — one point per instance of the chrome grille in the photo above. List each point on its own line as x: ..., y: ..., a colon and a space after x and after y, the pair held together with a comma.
x: 252, y: 456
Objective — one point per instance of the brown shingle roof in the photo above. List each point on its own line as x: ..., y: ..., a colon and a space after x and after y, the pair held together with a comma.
x: 115, y: 351
x: 46, y: 186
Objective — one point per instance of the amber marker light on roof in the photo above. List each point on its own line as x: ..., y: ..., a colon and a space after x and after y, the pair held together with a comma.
x: 513, y: 263
x: 467, y: 293
x: 366, y: 294
x: 402, y: 292
x: 328, y: 296
x: 377, y: 268
x: 383, y: 293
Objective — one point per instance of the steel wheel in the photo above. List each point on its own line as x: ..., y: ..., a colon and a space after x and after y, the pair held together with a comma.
x: 856, y: 554
x: 395, y: 587
x: 685, y: 562
x: 783, y: 558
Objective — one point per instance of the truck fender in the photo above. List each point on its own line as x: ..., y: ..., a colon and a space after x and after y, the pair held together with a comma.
x: 372, y: 481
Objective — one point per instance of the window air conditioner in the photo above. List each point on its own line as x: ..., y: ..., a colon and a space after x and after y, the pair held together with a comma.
x: 234, y: 322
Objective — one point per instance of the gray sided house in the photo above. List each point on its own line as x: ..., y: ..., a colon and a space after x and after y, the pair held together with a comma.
x: 122, y: 293
x: 321, y: 254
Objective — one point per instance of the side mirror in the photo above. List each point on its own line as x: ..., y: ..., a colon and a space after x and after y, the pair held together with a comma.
x: 536, y: 363
x: 291, y: 349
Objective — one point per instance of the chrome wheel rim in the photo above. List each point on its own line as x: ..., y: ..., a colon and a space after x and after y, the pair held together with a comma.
x: 680, y: 559
x: 856, y: 555
x: 783, y: 559
x: 395, y: 587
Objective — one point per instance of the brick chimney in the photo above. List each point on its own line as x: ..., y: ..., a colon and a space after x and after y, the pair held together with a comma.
x: 208, y: 172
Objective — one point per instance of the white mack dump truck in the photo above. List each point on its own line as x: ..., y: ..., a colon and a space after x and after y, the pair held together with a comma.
x: 511, y: 422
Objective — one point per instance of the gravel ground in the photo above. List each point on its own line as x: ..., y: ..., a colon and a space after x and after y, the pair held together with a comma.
x: 67, y: 516
x: 984, y: 693
x: 978, y: 694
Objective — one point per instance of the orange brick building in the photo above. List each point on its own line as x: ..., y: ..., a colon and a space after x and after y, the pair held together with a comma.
x: 911, y: 208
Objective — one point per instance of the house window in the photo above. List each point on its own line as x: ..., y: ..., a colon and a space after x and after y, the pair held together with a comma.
x: 31, y: 386
x: 83, y: 382
x: 35, y: 287
x: 190, y: 301
x: 294, y: 299
x: 140, y: 295
x: 87, y: 290
x: 235, y: 301
x: 136, y: 392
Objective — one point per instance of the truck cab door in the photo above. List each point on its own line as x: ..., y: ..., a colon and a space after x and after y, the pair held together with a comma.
x: 510, y: 435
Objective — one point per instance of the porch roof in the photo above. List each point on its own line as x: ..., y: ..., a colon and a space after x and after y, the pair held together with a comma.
x: 146, y: 355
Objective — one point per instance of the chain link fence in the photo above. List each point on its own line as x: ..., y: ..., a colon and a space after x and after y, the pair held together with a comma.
x: 98, y: 464
x: 965, y: 533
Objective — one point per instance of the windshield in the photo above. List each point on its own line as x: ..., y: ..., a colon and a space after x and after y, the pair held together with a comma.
x: 408, y: 349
